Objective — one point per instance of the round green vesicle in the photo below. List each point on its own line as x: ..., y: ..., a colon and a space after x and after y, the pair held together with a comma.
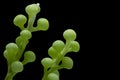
x: 26, y: 34
x: 47, y: 62
x: 58, y: 45
x: 7, y: 56
x: 67, y: 63
x: 69, y: 35
x: 5, y: 53
x: 52, y: 52
x: 32, y: 9
x: 52, y: 76
x: 12, y: 49
x: 19, y: 21
x: 42, y: 24
x: 18, y: 41
x: 10, y: 57
x: 75, y: 47
x: 29, y: 56
x: 16, y: 67
x: 56, y: 72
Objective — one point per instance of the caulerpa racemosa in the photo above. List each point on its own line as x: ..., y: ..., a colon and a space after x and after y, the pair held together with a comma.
x: 57, y: 52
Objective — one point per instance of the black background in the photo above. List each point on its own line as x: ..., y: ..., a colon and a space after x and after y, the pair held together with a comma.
x: 87, y: 18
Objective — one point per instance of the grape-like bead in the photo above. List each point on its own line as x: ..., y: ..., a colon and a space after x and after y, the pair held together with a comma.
x: 69, y: 35
x: 26, y: 34
x: 58, y: 45
x: 42, y: 24
x: 56, y: 72
x: 19, y: 21
x: 52, y: 52
x: 52, y: 76
x: 75, y: 47
x: 32, y: 9
x: 16, y: 67
x: 12, y: 49
x: 47, y: 62
x: 67, y: 63
x: 29, y: 56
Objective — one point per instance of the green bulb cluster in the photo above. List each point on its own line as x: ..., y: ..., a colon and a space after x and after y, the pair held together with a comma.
x: 57, y: 52
x: 32, y: 10
x: 15, y: 50
x: 58, y: 59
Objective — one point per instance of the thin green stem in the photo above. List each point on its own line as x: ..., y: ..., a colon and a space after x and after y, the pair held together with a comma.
x: 31, y: 22
x: 45, y: 74
x: 22, y: 48
x: 10, y: 74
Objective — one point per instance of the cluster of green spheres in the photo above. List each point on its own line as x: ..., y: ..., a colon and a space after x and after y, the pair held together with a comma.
x: 58, y: 59
x: 32, y: 10
x: 57, y: 52
x: 15, y: 50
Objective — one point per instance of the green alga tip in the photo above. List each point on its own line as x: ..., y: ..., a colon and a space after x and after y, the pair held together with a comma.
x: 32, y: 9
